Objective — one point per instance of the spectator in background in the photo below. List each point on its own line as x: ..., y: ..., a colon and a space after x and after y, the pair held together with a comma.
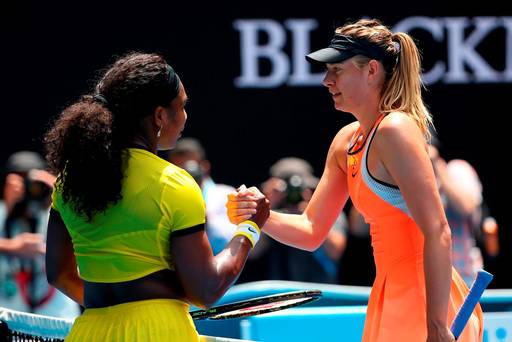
x: 461, y: 193
x: 490, y: 237
x: 190, y: 155
x: 23, y: 216
x: 289, y: 189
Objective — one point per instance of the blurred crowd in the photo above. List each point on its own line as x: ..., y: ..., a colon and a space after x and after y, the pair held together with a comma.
x: 345, y: 257
x: 24, y: 211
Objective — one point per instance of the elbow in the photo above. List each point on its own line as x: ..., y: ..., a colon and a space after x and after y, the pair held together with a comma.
x: 56, y: 280
x: 52, y: 281
x: 446, y: 234
x: 208, y: 295
x: 441, y: 234
x: 55, y: 274
x: 446, y: 240
x: 208, y: 298
x: 310, y: 242
x: 313, y: 244
x: 52, y: 277
x: 314, y: 238
x: 206, y: 301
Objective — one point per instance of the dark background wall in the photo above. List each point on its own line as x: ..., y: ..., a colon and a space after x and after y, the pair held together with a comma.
x: 51, y: 54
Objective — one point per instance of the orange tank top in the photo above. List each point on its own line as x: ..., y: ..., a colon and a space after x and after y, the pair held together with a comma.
x: 397, y: 304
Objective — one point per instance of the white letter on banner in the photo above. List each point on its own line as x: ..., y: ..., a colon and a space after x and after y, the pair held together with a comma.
x: 301, y: 75
x: 507, y: 23
x: 251, y: 52
x: 462, y: 52
x: 436, y: 29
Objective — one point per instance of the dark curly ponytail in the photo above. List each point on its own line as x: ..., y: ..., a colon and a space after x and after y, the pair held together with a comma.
x: 84, y: 146
x: 79, y: 148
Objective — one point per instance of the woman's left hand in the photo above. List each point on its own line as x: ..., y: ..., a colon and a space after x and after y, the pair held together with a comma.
x: 440, y: 334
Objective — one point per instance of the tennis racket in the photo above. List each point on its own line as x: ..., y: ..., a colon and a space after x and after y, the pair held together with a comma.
x: 257, y: 306
x: 483, y: 279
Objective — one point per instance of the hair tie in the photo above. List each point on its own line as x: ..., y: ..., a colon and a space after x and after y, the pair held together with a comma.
x: 100, y: 99
x: 174, y: 81
x: 397, y: 46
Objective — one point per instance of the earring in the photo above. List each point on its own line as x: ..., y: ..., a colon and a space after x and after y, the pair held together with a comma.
x: 159, y: 132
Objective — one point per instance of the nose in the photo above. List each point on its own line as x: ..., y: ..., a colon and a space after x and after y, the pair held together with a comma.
x: 328, y: 79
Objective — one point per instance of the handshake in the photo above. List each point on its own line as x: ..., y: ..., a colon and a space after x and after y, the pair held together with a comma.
x: 248, y: 204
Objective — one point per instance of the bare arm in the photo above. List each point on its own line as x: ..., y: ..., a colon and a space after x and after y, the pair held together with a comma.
x: 308, y: 230
x: 61, y: 268
x: 27, y: 245
x: 205, y: 277
x: 402, y: 149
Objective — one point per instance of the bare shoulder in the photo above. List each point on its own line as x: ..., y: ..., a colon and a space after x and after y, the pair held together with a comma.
x: 398, y: 127
x: 398, y: 121
x: 399, y: 137
x: 342, y: 138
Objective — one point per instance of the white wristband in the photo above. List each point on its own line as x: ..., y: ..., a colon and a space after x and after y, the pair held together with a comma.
x: 250, y: 230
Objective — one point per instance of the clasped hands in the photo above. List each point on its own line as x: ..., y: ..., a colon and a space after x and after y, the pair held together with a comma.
x: 248, y: 204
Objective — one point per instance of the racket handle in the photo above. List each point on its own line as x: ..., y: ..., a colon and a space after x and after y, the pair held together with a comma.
x: 483, y: 279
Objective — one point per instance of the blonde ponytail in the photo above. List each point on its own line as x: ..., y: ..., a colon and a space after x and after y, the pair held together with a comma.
x: 402, y: 91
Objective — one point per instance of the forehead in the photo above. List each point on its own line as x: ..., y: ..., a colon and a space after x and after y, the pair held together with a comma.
x: 182, y: 94
x: 181, y: 98
x: 345, y: 64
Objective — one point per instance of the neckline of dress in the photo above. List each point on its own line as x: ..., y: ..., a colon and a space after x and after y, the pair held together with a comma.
x: 355, y: 143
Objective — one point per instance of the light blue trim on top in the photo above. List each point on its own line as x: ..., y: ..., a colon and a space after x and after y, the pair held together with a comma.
x: 390, y: 195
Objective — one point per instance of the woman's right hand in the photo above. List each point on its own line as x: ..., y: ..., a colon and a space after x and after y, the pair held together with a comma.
x: 248, y: 204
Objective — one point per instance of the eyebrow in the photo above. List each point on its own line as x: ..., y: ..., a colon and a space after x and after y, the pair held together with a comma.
x: 186, y: 101
x: 333, y: 66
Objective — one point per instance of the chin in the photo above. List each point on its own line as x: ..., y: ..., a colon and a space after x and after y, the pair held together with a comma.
x: 166, y: 147
x: 340, y: 107
x: 168, y: 144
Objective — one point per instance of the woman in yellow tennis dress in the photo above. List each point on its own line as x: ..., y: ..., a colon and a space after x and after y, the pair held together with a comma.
x: 126, y: 233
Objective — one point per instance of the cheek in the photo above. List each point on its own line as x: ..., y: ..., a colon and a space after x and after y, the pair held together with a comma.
x: 181, y: 118
x: 352, y: 86
x: 345, y: 83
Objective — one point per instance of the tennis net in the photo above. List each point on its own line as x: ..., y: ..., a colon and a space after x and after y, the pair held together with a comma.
x: 19, y: 326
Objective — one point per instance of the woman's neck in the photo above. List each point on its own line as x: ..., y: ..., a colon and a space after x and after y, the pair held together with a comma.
x: 142, y: 142
x: 367, y: 121
x: 368, y: 111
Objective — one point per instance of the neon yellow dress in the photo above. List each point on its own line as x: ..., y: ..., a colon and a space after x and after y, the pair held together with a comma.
x: 130, y: 240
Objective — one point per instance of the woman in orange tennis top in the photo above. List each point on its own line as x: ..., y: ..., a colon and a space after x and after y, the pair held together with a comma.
x: 381, y: 162
x: 131, y: 222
